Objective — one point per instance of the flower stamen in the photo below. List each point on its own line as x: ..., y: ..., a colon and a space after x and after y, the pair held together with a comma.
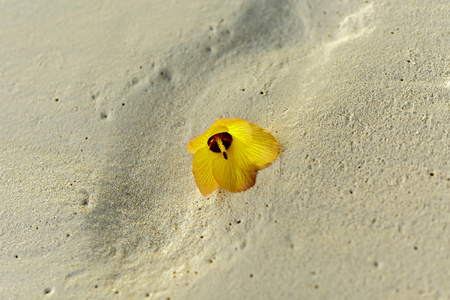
x: 221, y: 147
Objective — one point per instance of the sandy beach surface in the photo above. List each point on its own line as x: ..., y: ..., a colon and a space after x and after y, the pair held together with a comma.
x: 99, y: 98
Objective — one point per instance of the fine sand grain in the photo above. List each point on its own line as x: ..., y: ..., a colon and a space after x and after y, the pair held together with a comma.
x: 98, y: 100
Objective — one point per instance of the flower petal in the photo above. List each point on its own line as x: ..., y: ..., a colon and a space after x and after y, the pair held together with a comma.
x: 238, y: 128
x: 258, y: 154
x: 230, y: 177
x: 202, y: 169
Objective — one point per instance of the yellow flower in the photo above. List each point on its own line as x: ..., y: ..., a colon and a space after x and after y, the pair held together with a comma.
x: 230, y: 153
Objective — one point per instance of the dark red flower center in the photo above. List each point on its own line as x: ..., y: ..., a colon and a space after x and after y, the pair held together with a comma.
x: 220, y: 142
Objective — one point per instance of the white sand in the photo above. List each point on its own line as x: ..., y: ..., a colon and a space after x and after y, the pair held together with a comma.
x: 98, y: 100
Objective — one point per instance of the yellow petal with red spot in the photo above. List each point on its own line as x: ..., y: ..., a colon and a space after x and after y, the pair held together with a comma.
x: 258, y: 154
x: 236, y: 127
x: 202, y: 140
x: 202, y: 169
x: 231, y: 161
x: 230, y: 177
